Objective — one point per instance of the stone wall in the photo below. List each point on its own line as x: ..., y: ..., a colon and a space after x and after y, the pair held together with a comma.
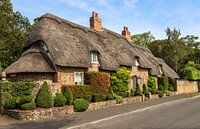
x: 186, y: 86
x: 94, y: 67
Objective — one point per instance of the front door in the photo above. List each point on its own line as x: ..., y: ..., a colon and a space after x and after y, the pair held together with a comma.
x: 134, y: 78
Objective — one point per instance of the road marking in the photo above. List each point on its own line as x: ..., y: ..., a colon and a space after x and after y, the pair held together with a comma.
x: 131, y: 112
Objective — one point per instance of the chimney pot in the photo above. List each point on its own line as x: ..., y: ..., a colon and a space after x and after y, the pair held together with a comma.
x: 95, y: 22
x: 126, y: 33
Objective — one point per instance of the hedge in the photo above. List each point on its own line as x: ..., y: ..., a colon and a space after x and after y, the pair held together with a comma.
x: 19, y: 92
x: 152, y: 85
x: 68, y: 95
x: 163, y: 83
x: 99, y: 81
x: 79, y: 91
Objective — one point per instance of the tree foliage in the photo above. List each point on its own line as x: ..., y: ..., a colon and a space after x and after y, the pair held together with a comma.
x: 13, y: 33
x: 191, y: 71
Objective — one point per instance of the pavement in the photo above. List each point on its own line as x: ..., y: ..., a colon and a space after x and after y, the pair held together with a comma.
x: 167, y: 113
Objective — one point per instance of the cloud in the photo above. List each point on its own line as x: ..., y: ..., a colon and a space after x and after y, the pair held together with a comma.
x: 129, y: 5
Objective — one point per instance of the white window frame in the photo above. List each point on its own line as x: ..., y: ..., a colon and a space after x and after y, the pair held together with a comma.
x: 82, y: 78
x: 137, y: 62
x: 94, y: 57
x: 160, y: 69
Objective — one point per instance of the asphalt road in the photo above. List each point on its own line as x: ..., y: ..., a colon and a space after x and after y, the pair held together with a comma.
x: 178, y: 115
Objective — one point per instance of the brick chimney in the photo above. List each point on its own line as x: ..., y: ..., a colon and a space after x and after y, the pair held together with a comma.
x: 95, y: 22
x: 126, y: 33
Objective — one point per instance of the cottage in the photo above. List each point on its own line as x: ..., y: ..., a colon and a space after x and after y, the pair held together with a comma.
x: 59, y: 51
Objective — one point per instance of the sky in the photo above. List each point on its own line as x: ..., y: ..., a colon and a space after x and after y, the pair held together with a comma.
x: 139, y: 15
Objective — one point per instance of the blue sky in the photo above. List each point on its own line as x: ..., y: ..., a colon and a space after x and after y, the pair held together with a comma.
x: 139, y: 15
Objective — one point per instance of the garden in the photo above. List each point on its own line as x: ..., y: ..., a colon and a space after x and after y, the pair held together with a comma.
x: 22, y: 95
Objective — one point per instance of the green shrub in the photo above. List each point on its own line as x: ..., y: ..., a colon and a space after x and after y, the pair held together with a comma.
x: 145, y: 90
x: 138, y: 90
x: 10, y: 103
x: 120, y: 80
x: 172, y: 84
x: 171, y: 88
x: 191, y: 71
x: 88, y: 98
x: 163, y: 83
x: 124, y: 94
x: 80, y: 105
x: 59, y: 100
x: 152, y: 85
x: 132, y: 92
x: 68, y: 95
x: 160, y: 94
x: 109, y: 96
x: 24, y: 99
x: 98, y: 97
x: 97, y: 80
x: 119, y: 99
x: 168, y: 93
x: 79, y: 91
x: 28, y: 106
x: 44, y: 97
x: 4, y: 97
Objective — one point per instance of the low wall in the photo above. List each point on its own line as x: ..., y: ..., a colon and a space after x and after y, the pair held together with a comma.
x: 186, y: 86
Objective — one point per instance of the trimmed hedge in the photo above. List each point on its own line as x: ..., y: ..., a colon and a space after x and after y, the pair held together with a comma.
x: 68, y: 95
x: 98, y: 97
x: 99, y: 81
x: 80, y: 105
x: 28, y: 106
x: 152, y: 85
x: 44, y: 97
x: 20, y: 92
x: 59, y: 100
x: 79, y: 91
x: 88, y: 98
x: 163, y: 83
x: 120, y: 80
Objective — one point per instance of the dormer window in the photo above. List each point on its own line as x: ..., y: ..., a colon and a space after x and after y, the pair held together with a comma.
x: 94, y: 57
x: 160, y: 69
x: 137, y: 62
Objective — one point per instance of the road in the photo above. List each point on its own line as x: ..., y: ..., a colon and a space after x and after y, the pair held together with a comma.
x: 178, y: 115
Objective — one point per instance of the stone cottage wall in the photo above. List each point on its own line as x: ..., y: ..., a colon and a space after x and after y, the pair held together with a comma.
x: 186, y: 86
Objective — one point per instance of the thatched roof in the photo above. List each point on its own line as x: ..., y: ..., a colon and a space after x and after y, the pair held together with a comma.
x: 70, y: 44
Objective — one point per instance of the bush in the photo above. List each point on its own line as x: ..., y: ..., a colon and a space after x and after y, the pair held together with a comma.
x: 120, y: 80
x: 132, y: 92
x: 24, y: 99
x: 138, y: 90
x: 119, y: 99
x: 88, y: 98
x: 97, y: 98
x: 28, y: 106
x: 172, y: 84
x: 109, y: 96
x: 44, y: 98
x: 10, y: 103
x: 152, y: 85
x: 80, y: 105
x: 145, y: 90
x: 168, y: 93
x: 98, y: 81
x: 68, y: 95
x: 163, y: 83
x: 79, y: 91
x: 191, y: 71
x: 160, y: 94
x: 59, y: 100
x: 124, y: 94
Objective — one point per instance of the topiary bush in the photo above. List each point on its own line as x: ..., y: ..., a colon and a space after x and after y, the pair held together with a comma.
x: 80, y: 105
x: 160, y: 94
x: 119, y: 99
x: 120, y: 80
x: 152, y: 85
x: 10, y: 103
x: 97, y: 80
x: 59, y: 100
x: 138, y: 90
x: 88, y: 98
x: 68, y: 95
x: 28, y: 106
x: 44, y: 98
x: 163, y: 83
x: 145, y: 90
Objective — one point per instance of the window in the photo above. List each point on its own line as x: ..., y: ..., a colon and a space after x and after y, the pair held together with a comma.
x: 78, y: 78
x: 160, y: 69
x: 134, y: 82
x: 137, y: 62
x: 94, y: 57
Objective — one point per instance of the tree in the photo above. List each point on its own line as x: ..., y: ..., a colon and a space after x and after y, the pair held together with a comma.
x: 143, y: 39
x: 191, y: 41
x: 13, y: 33
x: 191, y: 71
x: 173, y: 34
